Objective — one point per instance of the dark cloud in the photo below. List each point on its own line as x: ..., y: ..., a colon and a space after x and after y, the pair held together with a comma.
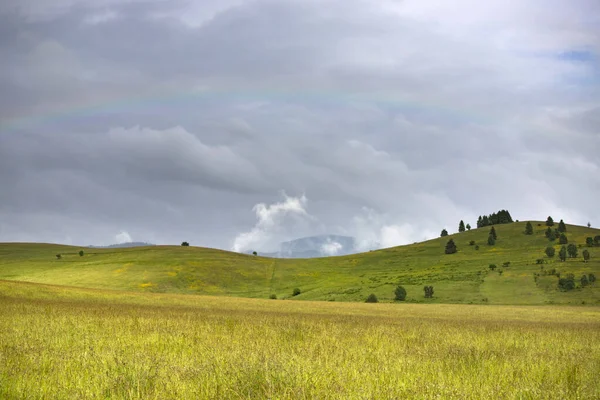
x: 170, y: 121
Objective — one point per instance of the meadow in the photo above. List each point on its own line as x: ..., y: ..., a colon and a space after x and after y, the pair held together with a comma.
x: 463, y: 277
x: 58, y: 342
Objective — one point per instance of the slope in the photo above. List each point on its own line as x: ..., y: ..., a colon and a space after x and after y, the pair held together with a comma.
x: 463, y: 277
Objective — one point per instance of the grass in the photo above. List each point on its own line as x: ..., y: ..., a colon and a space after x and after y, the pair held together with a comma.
x: 58, y: 342
x: 463, y: 277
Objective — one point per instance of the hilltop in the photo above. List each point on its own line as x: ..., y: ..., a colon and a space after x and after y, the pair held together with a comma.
x: 463, y: 277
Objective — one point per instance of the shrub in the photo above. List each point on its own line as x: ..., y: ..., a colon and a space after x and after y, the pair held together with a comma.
x: 506, y: 264
x: 591, y: 278
x: 450, y: 247
x: 563, y: 239
x: 567, y: 283
x: 428, y: 291
x: 476, y: 247
x: 589, y: 241
x: 185, y: 244
x: 58, y: 256
x: 500, y: 272
x: 586, y: 255
x: 400, y: 293
x: 472, y: 243
x: 296, y: 292
x: 597, y: 240
x: 492, y: 267
x: 254, y: 253
x: 468, y: 227
x: 80, y: 253
x: 540, y: 261
x: 584, y: 281
x: 572, y: 250
x: 273, y: 297
x: 550, y: 234
x: 529, y: 228
x: 372, y: 299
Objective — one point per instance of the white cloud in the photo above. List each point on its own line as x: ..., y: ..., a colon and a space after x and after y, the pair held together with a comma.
x: 274, y: 222
x: 331, y: 247
x: 123, y: 237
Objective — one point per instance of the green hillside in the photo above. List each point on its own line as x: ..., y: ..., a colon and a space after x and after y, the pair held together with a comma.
x: 463, y: 277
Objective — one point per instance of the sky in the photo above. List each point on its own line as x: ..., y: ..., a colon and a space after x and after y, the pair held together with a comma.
x: 239, y: 124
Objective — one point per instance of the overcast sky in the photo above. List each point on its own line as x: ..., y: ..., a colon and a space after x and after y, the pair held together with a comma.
x: 239, y: 124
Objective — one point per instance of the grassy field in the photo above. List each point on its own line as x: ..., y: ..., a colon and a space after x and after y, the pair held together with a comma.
x: 463, y: 277
x: 59, y: 343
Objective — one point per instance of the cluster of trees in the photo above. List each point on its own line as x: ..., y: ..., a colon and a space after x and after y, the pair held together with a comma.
x: 501, y: 217
x: 462, y: 227
x: 568, y: 281
x: 592, y: 241
x: 400, y: 294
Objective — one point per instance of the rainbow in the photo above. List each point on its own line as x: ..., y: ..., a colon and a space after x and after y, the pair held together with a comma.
x: 181, y: 99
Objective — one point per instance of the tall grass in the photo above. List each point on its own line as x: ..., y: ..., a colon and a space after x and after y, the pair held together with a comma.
x: 75, y: 343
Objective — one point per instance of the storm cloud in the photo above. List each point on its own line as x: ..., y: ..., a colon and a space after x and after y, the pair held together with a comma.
x: 387, y: 121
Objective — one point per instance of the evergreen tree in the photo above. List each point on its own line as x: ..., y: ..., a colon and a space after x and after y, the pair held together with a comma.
x: 562, y: 254
x: 550, y: 251
x: 572, y: 250
x: 591, y: 278
x: 563, y: 239
x: 586, y: 255
x: 468, y: 227
x: 550, y: 234
x: 549, y: 222
x: 493, y: 233
x: 485, y: 221
x: 479, y: 222
x: 450, y: 247
x: 589, y: 225
x: 562, y: 227
x: 461, y: 226
x: 491, y: 241
x: 589, y: 241
x: 444, y: 233
x: 529, y: 228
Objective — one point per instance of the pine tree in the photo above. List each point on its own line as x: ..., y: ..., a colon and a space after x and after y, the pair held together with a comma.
x: 444, y: 233
x: 550, y: 251
x: 461, y: 226
x: 562, y: 227
x: 468, y: 227
x: 493, y: 233
x: 550, y: 234
x: 485, y: 221
x: 549, y: 221
x: 491, y: 241
x: 529, y: 228
x: 572, y: 250
x: 586, y: 255
x: 479, y: 222
x: 562, y: 254
x: 451, y: 247
x: 563, y: 239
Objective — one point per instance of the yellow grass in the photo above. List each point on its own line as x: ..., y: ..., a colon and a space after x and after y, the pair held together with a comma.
x: 59, y: 343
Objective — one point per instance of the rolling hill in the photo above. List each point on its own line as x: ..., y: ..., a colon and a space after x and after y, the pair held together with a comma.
x: 463, y: 277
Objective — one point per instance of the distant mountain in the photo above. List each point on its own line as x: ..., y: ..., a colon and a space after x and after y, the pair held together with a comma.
x: 315, y: 246
x: 121, y: 245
